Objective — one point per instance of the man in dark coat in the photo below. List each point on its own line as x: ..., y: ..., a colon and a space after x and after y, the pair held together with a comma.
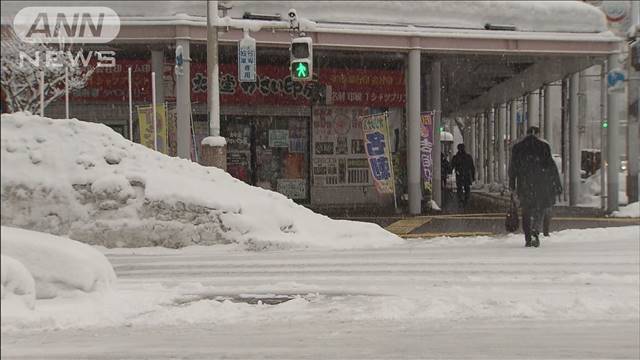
x: 462, y: 164
x: 533, y: 176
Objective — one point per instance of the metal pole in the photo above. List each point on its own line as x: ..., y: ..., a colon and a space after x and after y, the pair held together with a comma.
x: 66, y: 92
x: 548, y: 128
x: 614, y: 107
x: 502, y: 121
x: 574, y: 141
x: 212, y: 68
x: 603, y: 135
x: 42, y: 93
x: 153, y: 110
x: 413, y: 134
x: 436, y: 88
x: 130, y: 106
x: 481, y: 142
x: 491, y: 145
x: 183, y: 102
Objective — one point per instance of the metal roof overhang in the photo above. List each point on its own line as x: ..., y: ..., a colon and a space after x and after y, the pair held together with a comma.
x: 540, y: 58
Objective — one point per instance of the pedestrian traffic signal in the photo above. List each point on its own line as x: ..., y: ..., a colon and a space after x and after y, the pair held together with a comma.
x: 605, y: 125
x: 301, y: 52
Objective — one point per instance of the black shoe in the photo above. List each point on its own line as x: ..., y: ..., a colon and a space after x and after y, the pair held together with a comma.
x: 546, y: 234
x: 527, y: 242
x: 535, y: 242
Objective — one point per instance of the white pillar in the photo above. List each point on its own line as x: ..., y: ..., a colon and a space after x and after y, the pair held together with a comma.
x: 436, y: 88
x: 157, y: 66
x: 472, y: 139
x: 413, y: 134
x: 502, y: 121
x: 603, y: 135
x: 491, y: 145
x: 41, y: 88
x: 532, y: 109
x: 548, y: 130
x: 482, y: 149
x: 130, y: 105
x: 183, y: 103
x: 614, y: 108
x: 574, y: 140
x: 213, y: 88
x: 513, y: 127
x: 66, y: 92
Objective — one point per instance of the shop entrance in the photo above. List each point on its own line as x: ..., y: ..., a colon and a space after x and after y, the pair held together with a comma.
x: 270, y: 152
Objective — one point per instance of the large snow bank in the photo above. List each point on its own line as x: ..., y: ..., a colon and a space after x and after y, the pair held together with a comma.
x: 17, y: 284
x: 85, y: 181
x: 538, y: 16
x: 57, y: 265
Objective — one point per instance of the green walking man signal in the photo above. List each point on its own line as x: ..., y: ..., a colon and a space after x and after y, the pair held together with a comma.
x: 301, y: 52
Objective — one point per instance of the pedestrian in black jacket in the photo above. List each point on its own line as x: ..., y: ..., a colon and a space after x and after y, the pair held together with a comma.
x: 533, y: 176
x: 462, y: 164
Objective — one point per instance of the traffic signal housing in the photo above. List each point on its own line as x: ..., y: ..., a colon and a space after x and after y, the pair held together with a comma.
x: 301, y: 64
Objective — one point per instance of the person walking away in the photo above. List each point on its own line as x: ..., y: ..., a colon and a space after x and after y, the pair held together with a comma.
x: 462, y: 164
x: 534, y: 179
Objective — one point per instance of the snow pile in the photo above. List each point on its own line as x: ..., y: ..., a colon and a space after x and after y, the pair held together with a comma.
x: 631, y: 210
x: 17, y: 284
x: 58, y: 266
x: 85, y: 181
x: 590, y: 194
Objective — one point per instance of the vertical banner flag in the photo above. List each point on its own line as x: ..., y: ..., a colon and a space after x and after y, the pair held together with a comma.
x: 376, y: 137
x: 145, y: 121
x: 426, y: 148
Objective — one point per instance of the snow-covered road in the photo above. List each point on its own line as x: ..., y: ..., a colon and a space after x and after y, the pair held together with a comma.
x: 575, y: 297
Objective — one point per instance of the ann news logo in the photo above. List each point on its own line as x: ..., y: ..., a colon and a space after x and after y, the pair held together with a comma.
x: 66, y: 25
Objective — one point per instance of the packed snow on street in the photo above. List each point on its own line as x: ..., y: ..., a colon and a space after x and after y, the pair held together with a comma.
x: 111, y: 250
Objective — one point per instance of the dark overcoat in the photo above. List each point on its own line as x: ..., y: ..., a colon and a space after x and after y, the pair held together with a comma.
x: 533, y: 174
x: 462, y: 164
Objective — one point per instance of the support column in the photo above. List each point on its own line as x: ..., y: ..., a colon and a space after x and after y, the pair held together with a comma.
x: 436, y: 88
x: 614, y: 108
x: 183, y: 102
x: 532, y: 110
x: 513, y: 127
x: 491, y: 146
x: 548, y: 130
x: 502, y: 121
x: 472, y: 139
x: 481, y: 150
x: 413, y: 134
x: 574, y: 140
x: 633, y: 124
x: 633, y: 129
x: 157, y: 66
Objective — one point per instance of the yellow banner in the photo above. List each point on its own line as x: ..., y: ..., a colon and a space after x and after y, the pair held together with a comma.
x: 145, y: 122
x: 377, y: 143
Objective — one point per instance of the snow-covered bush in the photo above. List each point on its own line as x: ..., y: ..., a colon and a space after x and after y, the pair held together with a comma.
x: 85, y: 181
x: 20, y: 78
x: 58, y: 265
x: 17, y: 284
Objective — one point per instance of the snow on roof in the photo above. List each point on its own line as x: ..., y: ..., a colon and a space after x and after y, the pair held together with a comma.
x: 528, y: 16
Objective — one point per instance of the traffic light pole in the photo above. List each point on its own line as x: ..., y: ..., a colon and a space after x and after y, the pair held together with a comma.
x: 213, y: 83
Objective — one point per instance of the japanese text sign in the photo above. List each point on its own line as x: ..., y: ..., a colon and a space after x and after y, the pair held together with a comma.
x: 376, y: 138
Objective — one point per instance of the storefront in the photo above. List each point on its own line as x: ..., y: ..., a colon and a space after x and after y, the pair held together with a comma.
x: 302, y: 139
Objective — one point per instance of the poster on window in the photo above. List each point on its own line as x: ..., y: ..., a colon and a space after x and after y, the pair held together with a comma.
x: 426, y: 148
x: 376, y: 139
x: 145, y: 122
